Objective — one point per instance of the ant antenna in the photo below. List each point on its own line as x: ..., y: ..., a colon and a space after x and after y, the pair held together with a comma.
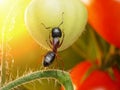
x: 51, y: 27
x: 62, y: 20
x: 45, y: 26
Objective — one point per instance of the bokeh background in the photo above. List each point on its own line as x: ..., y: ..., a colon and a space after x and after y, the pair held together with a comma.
x: 24, y: 55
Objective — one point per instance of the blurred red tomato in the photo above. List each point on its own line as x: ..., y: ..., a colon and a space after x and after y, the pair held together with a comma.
x: 117, y: 74
x: 78, y: 72
x: 104, y: 17
x: 97, y: 80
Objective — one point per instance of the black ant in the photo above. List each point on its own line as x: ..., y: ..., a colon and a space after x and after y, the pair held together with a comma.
x: 56, y: 34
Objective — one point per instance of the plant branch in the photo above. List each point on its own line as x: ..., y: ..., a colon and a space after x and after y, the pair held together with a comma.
x: 4, y: 42
x: 3, y: 59
x: 62, y: 76
x: 97, y: 46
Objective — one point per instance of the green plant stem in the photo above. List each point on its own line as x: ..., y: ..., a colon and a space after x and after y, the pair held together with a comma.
x: 62, y: 76
x: 107, y: 60
x: 79, y: 52
x: 97, y: 47
x: 3, y: 59
x: 4, y: 43
x: 111, y: 51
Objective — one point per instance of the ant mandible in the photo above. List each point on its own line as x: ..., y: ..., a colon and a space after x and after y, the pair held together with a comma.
x: 56, y: 34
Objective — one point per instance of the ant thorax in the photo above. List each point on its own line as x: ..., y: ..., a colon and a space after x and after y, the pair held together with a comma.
x: 56, y: 42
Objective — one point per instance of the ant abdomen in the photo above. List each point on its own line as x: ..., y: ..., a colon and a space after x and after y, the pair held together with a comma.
x: 48, y: 58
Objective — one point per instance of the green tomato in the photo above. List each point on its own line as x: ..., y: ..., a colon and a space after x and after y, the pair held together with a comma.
x: 49, y: 12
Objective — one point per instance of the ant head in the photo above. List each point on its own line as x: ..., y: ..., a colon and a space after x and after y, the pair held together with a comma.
x: 56, y: 32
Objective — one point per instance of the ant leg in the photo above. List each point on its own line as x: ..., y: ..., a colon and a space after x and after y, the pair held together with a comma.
x: 40, y: 61
x: 58, y: 57
x: 60, y: 24
x: 62, y: 20
x: 49, y: 44
x: 56, y: 63
x: 62, y: 40
x: 50, y: 40
x: 45, y: 26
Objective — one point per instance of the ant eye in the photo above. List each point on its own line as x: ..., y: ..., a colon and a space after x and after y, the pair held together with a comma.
x: 56, y: 30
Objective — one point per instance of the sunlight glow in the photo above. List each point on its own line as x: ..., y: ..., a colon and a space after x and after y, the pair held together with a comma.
x: 12, y: 22
x: 1, y: 1
x: 87, y: 1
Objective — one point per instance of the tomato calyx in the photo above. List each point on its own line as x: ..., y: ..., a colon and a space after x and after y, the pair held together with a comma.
x: 112, y: 59
x: 109, y: 64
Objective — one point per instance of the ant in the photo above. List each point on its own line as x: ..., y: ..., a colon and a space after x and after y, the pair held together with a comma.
x: 56, y: 34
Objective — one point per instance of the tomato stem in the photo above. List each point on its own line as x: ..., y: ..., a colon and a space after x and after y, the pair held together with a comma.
x: 111, y: 52
x: 97, y: 46
x: 62, y: 76
x: 79, y: 52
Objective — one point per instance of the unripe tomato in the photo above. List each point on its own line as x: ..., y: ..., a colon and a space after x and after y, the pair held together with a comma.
x: 49, y: 13
x: 104, y: 17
